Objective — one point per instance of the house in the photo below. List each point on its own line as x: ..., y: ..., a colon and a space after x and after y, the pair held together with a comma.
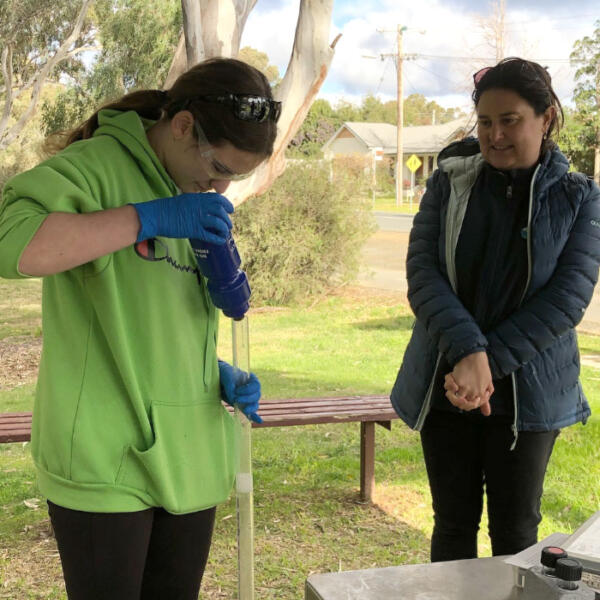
x: 379, y: 139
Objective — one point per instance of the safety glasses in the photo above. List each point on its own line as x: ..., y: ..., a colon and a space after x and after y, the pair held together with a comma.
x: 213, y: 167
x: 248, y: 107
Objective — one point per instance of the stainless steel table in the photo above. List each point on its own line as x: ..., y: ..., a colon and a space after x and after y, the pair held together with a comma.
x: 476, y: 579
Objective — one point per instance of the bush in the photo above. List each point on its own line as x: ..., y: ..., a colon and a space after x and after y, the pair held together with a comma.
x: 19, y: 157
x: 302, y: 236
x: 386, y: 184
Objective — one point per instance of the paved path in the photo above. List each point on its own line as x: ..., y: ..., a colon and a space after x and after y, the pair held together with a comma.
x: 383, y: 268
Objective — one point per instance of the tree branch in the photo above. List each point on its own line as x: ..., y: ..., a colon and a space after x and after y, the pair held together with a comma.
x: 30, y: 83
x: 309, y: 64
x: 7, y: 76
x: 192, y: 30
x: 227, y: 19
x: 6, y: 137
x: 230, y: 19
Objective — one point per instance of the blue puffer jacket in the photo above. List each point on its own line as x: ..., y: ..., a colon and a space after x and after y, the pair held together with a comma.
x: 537, y: 343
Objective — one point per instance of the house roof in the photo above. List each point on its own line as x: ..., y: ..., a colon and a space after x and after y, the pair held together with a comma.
x: 416, y: 139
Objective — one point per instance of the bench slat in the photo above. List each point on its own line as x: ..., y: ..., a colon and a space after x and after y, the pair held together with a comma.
x: 275, y: 413
x: 336, y: 406
x: 368, y: 410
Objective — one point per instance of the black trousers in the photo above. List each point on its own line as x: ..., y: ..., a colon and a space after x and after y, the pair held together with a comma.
x: 146, y: 555
x: 465, y: 454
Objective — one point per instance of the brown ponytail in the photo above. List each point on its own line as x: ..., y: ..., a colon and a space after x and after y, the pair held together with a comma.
x: 147, y: 103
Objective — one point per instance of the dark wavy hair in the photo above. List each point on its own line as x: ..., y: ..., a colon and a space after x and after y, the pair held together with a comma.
x: 211, y: 77
x: 528, y: 79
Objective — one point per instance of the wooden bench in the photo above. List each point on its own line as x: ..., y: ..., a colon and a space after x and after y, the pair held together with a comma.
x: 367, y: 410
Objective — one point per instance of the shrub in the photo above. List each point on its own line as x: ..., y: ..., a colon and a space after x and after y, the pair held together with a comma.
x: 19, y: 157
x: 386, y: 184
x: 303, y: 235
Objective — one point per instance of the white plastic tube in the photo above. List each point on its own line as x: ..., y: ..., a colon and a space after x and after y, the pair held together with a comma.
x: 244, y: 483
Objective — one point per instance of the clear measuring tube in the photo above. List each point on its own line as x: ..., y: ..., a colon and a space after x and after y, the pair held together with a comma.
x: 244, y: 483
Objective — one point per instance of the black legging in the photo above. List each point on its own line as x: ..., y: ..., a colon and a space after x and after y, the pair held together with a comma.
x: 463, y: 454
x: 146, y: 555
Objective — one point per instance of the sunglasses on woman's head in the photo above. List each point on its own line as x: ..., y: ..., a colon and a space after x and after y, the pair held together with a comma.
x: 477, y: 77
x: 247, y: 107
x: 524, y: 66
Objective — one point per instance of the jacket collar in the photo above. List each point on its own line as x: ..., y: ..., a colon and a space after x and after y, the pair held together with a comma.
x: 461, y: 156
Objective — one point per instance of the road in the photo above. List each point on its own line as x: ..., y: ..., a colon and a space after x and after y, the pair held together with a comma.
x: 384, y: 257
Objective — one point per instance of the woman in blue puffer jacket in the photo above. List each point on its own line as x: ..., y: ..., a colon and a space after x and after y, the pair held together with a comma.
x: 502, y: 263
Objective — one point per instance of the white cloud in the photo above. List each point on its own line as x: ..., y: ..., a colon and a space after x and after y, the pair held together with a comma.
x: 536, y: 33
x: 271, y: 28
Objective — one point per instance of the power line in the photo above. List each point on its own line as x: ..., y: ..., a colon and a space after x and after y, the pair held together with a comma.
x: 411, y: 84
x: 437, y: 74
x: 385, y: 64
x: 486, y: 58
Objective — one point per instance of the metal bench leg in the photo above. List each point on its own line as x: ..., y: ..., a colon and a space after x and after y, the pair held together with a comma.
x: 367, y: 460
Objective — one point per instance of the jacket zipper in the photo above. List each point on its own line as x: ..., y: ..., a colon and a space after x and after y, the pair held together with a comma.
x: 529, y: 269
x: 427, y: 403
x: 451, y: 266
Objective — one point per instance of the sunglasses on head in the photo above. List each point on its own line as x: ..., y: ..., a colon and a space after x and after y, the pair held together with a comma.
x: 477, y: 77
x: 248, y: 107
x: 524, y: 66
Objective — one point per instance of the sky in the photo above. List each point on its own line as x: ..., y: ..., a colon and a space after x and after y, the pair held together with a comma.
x: 446, y: 36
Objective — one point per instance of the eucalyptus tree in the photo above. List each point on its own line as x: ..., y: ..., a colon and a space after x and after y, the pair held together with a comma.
x: 137, y: 40
x: 40, y: 41
x: 586, y: 58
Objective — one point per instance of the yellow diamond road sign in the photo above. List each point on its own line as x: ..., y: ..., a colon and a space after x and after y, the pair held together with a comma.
x: 413, y: 163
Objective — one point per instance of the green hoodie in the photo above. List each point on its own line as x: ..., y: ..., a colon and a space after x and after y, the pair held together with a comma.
x: 127, y: 412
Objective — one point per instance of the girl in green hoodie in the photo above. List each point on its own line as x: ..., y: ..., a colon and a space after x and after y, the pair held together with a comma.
x: 132, y: 445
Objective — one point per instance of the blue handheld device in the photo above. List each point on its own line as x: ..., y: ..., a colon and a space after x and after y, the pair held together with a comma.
x: 227, y: 284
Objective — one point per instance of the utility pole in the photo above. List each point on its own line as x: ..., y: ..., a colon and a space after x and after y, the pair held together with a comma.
x: 399, y: 57
x: 399, y: 146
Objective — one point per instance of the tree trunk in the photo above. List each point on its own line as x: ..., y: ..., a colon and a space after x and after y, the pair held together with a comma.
x: 222, y: 24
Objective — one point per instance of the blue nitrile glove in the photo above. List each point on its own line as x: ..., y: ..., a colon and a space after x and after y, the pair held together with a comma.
x: 239, y: 388
x: 200, y: 216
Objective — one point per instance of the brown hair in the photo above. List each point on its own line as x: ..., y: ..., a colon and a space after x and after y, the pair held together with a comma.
x: 210, y: 77
x: 528, y: 79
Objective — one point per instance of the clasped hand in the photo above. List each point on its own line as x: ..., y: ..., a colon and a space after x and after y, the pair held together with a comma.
x: 199, y: 216
x: 241, y: 389
x: 469, y: 385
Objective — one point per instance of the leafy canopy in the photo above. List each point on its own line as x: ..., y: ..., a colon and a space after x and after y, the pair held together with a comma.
x: 33, y: 29
x: 131, y: 56
x: 323, y: 120
x: 580, y: 138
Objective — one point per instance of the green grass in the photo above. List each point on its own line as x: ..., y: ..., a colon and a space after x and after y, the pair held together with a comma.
x: 20, y: 308
x: 388, y: 204
x: 308, y: 517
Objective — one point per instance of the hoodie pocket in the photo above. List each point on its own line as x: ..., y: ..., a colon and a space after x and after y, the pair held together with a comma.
x: 192, y: 463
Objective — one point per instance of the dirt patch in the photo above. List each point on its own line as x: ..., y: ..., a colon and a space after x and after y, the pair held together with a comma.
x: 19, y: 361
x: 31, y: 568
